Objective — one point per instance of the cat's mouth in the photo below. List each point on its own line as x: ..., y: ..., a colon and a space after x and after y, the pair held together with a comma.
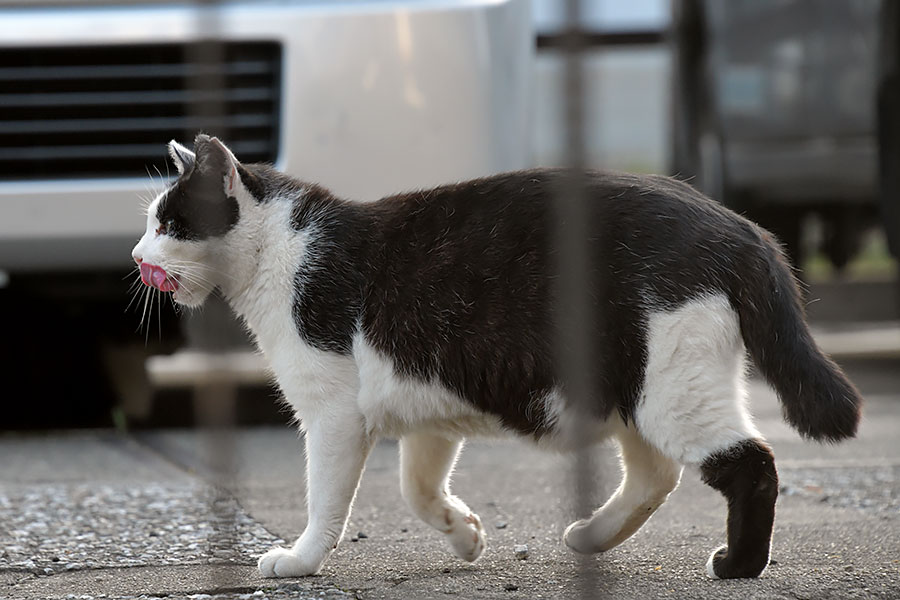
x: 156, y: 277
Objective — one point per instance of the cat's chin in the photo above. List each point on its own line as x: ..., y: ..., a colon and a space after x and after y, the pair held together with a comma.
x: 185, y: 297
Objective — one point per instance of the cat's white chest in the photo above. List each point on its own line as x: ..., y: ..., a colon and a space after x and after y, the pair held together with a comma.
x: 312, y: 380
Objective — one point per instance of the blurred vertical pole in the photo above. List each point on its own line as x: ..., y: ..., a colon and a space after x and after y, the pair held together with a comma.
x: 576, y: 318
x: 215, y: 394
x: 888, y: 117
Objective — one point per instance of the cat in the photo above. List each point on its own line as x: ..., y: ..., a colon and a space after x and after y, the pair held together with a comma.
x: 430, y: 317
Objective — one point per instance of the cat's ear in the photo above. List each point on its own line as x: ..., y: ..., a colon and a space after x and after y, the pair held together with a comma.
x: 182, y: 157
x: 214, y: 158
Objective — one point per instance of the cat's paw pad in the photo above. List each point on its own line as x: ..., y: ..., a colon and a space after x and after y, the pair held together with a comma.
x: 281, y: 562
x: 579, y: 537
x: 466, y: 535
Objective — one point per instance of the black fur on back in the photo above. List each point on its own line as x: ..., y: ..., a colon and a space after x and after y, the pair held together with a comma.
x: 331, y: 285
x: 455, y: 284
x: 460, y: 291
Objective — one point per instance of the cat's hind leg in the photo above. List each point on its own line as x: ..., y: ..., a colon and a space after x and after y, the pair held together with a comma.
x: 693, y: 410
x: 648, y: 479
x: 745, y: 474
x: 426, y: 462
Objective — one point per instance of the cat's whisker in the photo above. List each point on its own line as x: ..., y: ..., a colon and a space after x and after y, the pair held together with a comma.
x: 162, y: 179
x: 173, y: 303
x: 201, y: 267
x: 134, y: 295
x: 146, y: 303
x: 134, y: 284
x: 154, y: 187
x: 147, y: 187
x: 157, y: 184
x: 191, y: 277
x: 147, y: 201
x: 194, y: 278
x: 154, y: 299
x: 197, y: 269
x: 133, y: 270
x: 135, y: 292
x: 159, y: 314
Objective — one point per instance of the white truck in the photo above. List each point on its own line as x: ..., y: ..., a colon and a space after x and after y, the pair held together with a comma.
x: 366, y: 97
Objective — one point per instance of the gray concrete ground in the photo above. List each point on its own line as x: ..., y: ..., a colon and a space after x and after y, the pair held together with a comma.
x: 103, y: 514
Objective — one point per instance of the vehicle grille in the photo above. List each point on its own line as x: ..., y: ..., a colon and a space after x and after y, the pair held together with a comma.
x: 89, y: 112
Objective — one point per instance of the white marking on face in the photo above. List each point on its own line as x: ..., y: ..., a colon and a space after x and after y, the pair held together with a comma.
x: 185, y: 260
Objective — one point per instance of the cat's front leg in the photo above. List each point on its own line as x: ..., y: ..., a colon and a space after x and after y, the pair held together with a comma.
x: 336, y: 449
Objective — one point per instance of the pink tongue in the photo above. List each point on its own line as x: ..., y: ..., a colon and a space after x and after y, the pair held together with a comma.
x: 145, y: 273
x: 157, y: 277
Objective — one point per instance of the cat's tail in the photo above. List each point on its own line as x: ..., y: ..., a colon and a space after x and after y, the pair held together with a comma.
x: 817, y: 398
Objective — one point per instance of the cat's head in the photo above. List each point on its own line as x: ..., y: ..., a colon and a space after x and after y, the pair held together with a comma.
x: 188, y: 224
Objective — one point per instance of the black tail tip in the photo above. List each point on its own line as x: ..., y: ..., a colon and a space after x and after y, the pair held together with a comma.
x: 831, y: 420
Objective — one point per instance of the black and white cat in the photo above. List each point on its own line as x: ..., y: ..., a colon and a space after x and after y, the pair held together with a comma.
x: 429, y: 317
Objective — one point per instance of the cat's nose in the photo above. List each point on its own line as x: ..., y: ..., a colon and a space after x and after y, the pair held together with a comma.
x: 137, y: 258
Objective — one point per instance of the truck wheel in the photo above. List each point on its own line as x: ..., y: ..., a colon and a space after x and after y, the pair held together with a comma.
x: 844, y: 229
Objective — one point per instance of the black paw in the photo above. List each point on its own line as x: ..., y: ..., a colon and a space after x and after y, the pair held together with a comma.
x: 722, y: 565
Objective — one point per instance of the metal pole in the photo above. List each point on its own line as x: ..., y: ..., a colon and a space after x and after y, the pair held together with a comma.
x: 577, y: 318
x: 214, y: 397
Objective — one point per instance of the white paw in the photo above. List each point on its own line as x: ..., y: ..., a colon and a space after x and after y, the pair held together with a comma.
x: 578, y: 537
x: 281, y: 562
x: 710, y: 572
x: 466, y: 535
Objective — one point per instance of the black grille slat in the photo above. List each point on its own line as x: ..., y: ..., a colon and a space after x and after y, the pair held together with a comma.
x: 131, y: 98
x: 12, y: 74
x: 149, y: 151
x: 131, y: 124
x: 108, y: 111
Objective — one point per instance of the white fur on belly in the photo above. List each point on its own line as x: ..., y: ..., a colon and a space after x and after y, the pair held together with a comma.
x: 394, y: 404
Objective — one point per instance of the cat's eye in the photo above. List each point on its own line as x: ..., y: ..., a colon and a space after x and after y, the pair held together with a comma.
x: 165, y: 227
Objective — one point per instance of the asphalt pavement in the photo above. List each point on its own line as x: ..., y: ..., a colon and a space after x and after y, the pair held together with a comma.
x: 185, y: 514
